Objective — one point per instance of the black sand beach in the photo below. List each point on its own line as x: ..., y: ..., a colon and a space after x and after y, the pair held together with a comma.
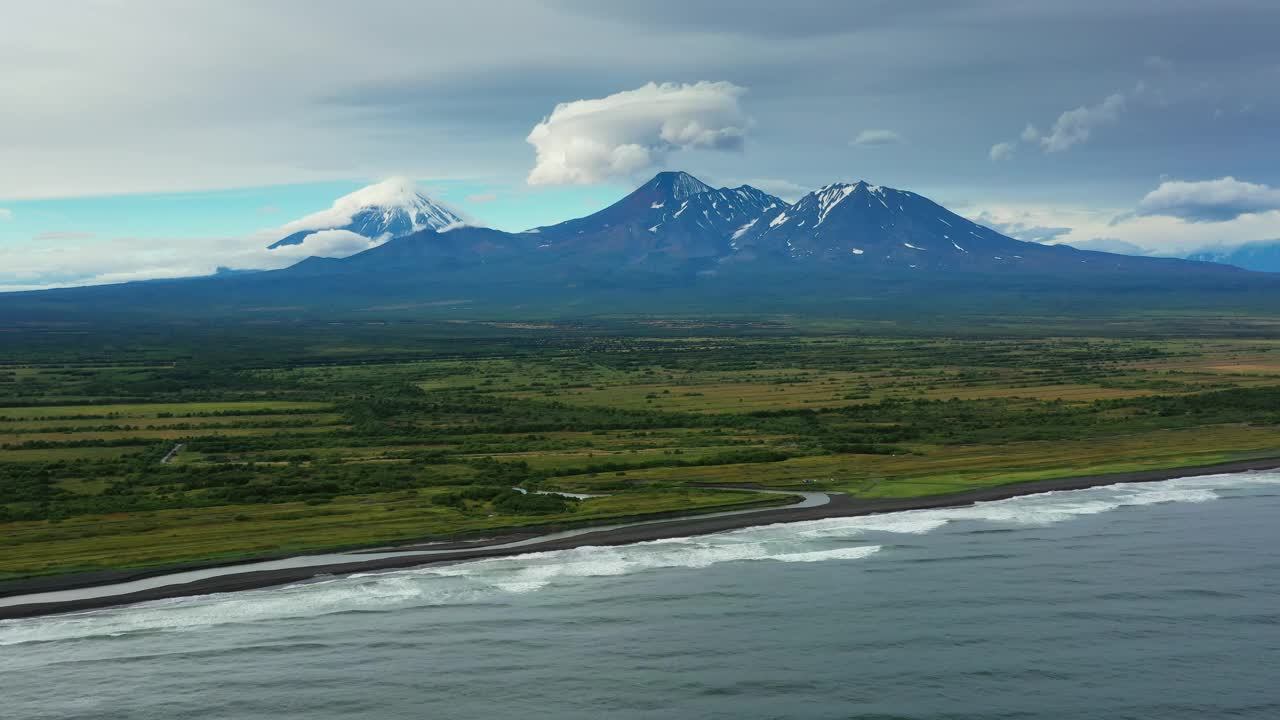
x: 839, y: 506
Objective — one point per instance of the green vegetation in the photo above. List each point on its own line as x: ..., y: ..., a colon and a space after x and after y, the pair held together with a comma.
x: 134, y: 447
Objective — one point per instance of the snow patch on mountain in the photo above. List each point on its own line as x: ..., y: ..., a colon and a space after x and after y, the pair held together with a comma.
x: 391, y: 208
x: 743, y: 230
x: 831, y: 196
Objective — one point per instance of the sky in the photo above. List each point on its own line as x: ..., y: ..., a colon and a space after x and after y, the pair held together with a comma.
x: 150, y: 138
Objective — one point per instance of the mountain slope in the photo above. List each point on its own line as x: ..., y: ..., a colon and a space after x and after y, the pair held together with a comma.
x: 392, y: 208
x: 673, y: 218
x: 878, y: 228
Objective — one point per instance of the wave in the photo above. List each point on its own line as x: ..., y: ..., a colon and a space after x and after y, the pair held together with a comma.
x: 486, y: 581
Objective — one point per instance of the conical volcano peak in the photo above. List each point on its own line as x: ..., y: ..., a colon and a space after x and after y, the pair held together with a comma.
x: 392, y: 208
x: 677, y: 185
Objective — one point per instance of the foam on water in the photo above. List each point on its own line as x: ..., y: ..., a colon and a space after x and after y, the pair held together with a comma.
x: 487, y: 580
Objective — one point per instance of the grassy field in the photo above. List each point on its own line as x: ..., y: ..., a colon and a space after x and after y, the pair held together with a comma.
x: 302, y: 439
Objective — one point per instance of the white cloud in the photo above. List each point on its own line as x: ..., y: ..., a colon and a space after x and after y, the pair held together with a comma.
x: 1075, y: 126
x: 1021, y: 228
x: 6, y: 214
x: 324, y: 243
x: 588, y: 141
x: 784, y: 189
x: 1209, y: 200
x: 1098, y: 228
x: 78, y: 259
x: 1071, y: 128
x: 59, y: 259
x: 60, y: 235
x: 874, y: 138
x: 1111, y: 245
x: 1002, y: 151
x: 392, y: 192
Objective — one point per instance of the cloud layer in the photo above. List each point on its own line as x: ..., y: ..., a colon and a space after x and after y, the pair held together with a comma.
x: 1209, y: 200
x: 55, y: 259
x: 872, y: 138
x: 589, y: 141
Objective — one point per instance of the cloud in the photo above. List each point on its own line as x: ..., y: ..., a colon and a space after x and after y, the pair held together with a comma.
x: 874, y: 138
x: 6, y: 214
x: 481, y: 198
x: 1209, y: 200
x: 325, y: 243
x: 1021, y: 228
x: 1002, y: 151
x: 1075, y: 126
x: 78, y: 259
x: 1111, y: 245
x: 60, y: 259
x: 61, y: 235
x: 394, y: 192
x: 1071, y: 128
x: 784, y: 189
x: 588, y: 141
x: 1114, y: 229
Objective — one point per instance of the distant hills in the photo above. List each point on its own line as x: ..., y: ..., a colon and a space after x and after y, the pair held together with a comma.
x: 1263, y: 256
x: 674, y: 244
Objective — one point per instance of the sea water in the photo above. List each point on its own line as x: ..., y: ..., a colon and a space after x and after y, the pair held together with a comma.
x: 1157, y: 600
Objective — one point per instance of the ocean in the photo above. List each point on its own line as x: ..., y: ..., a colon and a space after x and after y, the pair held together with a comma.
x: 1156, y: 600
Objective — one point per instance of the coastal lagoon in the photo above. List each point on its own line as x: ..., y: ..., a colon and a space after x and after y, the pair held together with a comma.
x: 1153, y: 600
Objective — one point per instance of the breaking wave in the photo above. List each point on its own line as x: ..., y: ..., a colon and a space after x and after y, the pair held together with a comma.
x: 489, y: 580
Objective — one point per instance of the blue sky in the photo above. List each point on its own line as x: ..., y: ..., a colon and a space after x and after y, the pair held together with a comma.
x: 151, y: 138
x: 241, y: 211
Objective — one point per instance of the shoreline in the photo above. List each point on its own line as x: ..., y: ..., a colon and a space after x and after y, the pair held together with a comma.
x: 686, y: 526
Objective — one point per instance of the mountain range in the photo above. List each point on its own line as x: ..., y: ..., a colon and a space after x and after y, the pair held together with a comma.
x: 676, y: 224
x: 678, y: 243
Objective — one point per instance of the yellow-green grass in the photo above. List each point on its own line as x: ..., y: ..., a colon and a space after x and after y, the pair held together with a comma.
x: 150, y: 423
x: 539, y: 460
x: 73, y: 453
x: 702, y: 398
x: 949, y: 469
x: 187, y: 535
x: 151, y: 410
x: 110, y: 435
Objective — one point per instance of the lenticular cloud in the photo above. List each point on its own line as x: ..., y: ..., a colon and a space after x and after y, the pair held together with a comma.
x: 587, y: 141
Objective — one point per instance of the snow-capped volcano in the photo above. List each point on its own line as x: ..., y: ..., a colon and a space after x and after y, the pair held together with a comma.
x: 676, y: 225
x: 875, y: 225
x: 674, y: 216
x: 389, y: 209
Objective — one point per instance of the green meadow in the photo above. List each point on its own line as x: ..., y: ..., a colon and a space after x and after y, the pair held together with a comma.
x: 197, y: 444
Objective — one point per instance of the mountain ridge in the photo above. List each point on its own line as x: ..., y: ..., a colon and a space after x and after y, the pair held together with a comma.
x: 676, y: 244
x: 676, y: 224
